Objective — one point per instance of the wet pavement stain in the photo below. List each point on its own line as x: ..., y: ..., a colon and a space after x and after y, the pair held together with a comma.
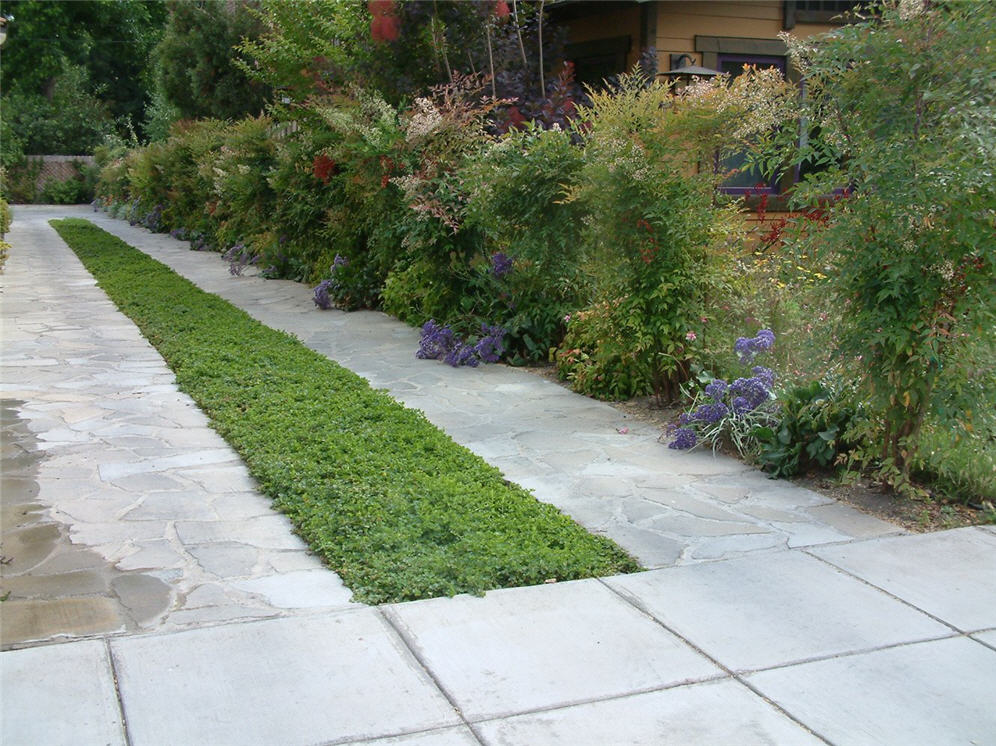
x: 52, y: 589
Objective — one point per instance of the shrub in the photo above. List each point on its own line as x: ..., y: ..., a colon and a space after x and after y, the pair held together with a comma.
x: 910, y: 132
x: 653, y: 230
x: 517, y: 198
x: 813, y: 421
x: 67, y: 192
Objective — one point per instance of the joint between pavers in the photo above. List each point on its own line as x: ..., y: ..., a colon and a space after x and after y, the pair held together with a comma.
x: 846, y: 654
x: 604, y: 698
x: 891, y: 595
x: 117, y: 691
x: 730, y: 673
x: 990, y: 645
x: 397, y: 628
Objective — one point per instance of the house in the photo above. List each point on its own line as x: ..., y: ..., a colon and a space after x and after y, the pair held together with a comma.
x: 605, y: 38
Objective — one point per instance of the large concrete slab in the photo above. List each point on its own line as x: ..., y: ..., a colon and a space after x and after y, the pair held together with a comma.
x: 530, y: 648
x: 301, y: 680
x: 937, y: 693
x: 718, y: 712
x: 59, y: 694
x: 757, y: 612
x: 988, y: 638
x: 950, y: 574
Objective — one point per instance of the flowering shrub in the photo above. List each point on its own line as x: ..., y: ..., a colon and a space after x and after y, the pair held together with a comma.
x: 439, y: 342
x: 910, y: 131
x: 594, y: 355
x: 733, y: 413
x: 654, y: 232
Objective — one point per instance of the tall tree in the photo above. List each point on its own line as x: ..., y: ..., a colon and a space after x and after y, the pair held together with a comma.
x: 197, y: 59
x: 111, y: 40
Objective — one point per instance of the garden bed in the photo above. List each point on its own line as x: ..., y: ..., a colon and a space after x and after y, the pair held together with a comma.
x: 391, y: 503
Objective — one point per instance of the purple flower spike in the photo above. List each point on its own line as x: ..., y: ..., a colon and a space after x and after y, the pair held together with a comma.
x: 501, y: 265
x: 684, y: 438
x: 321, y: 296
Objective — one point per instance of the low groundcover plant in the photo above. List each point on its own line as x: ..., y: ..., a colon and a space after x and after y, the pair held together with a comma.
x: 390, y: 502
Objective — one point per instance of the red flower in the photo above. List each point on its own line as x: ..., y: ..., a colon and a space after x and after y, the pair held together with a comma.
x: 323, y: 167
x: 384, y: 26
x: 501, y: 9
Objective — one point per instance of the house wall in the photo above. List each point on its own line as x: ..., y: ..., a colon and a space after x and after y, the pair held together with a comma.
x: 679, y: 23
x: 622, y: 20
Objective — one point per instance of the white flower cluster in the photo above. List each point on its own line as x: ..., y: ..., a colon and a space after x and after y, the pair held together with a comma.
x: 425, y: 120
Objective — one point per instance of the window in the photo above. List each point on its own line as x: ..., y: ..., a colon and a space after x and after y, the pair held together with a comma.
x: 745, y: 181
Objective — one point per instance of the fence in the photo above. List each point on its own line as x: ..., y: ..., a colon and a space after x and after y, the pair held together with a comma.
x: 56, y: 167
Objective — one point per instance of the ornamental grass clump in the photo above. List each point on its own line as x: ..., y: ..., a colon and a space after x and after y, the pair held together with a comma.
x: 732, y: 413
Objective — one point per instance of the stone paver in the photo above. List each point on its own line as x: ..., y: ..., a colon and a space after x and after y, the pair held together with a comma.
x: 779, y: 615
x: 59, y: 695
x: 109, y: 469
x: 299, y: 680
x: 923, y: 693
x: 542, y: 647
x: 948, y: 574
x: 789, y: 607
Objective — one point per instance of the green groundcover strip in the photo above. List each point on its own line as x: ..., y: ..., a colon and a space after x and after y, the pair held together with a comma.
x: 392, y: 504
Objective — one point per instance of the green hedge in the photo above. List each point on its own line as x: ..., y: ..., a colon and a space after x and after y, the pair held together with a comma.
x: 392, y: 504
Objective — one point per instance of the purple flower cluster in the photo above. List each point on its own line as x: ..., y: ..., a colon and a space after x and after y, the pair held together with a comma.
x: 321, y: 297
x: 717, y: 389
x: 439, y: 342
x: 746, y: 348
x: 753, y: 392
x: 501, y: 265
x: 238, y: 258
x: 728, y: 404
x: 324, y: 289
x: 711, y: 413
x: 684, y: 438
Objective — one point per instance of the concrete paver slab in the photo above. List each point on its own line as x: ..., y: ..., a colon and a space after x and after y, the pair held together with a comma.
x: 528, y: 648
x: 717, y: 712
x: 949, y: 574
x: 59, y: 695
x: 988, y: 638
x: 756, y: 612
x: 936, y: 693
x: 299, y: 680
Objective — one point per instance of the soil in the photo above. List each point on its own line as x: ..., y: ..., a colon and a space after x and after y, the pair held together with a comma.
x: 917, y: 515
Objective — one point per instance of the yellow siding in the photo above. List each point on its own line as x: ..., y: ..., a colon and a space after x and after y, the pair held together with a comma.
x: 679, y: 22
